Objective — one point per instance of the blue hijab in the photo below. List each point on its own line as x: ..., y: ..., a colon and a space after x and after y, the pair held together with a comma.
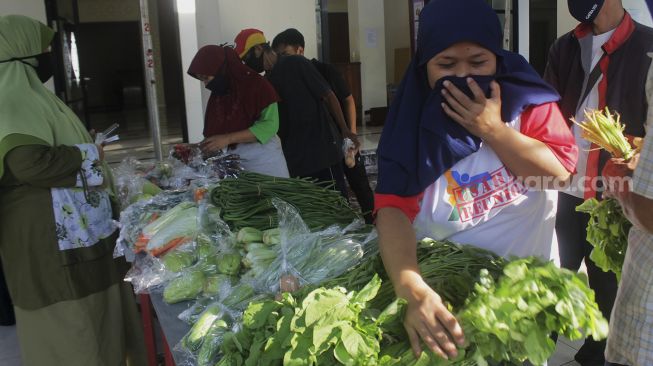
x: 419, y: 141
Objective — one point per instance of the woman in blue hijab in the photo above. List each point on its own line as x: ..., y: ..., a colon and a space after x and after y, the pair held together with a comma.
x: 472, y: 130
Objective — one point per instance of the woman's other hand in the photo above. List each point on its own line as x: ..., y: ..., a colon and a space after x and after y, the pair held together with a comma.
x: 480, y: 116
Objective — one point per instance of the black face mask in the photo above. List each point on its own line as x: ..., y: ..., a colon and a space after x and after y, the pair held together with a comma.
x: 45, y: 67
x: 461, y: 83
x: 220, y: 84
x: 254, y: 63
x: 585, y: 11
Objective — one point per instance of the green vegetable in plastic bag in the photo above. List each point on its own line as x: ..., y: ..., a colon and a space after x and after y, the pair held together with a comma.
x: 186, y: 287
x: 177, y: 260
x: 271, y: 236
x: 213, y: 284
x: 208, y: 321
x: 240, y: 295
x: 229, y: 263
x: 249, y: 235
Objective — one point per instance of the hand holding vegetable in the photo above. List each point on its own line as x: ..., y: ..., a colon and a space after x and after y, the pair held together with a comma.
x: 429, y: 320
x: 615, y: 173
x: 480, y: 116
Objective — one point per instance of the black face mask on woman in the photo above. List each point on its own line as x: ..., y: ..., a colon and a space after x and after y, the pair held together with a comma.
x: 44, y: 68
x: 220, y: 84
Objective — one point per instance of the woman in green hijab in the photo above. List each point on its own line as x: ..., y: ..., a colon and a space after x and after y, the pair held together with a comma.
x: 57, y: 234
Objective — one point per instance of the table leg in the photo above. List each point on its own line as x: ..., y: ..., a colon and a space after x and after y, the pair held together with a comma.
x: 148, y: 328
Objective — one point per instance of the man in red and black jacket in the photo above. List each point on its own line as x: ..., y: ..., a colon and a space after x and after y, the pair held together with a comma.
x: 602, y: 62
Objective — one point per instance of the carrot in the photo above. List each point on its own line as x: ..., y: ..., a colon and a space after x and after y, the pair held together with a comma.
x: 169, y: 246
x: 199, y: 194
x: 141, y: 243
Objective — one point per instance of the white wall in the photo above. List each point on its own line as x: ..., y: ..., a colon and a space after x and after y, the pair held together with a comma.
x: 30, y: 8
x: 367, y: 45
x: 397, y: 32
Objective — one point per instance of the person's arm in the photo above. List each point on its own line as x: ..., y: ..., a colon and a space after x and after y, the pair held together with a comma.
x: 350, y: 113
x: 261, y: 131
x: 523, y: 155
x: 45, y: 166
x: 336, y: 112
x: 427, y: 318
x: 639, y: 210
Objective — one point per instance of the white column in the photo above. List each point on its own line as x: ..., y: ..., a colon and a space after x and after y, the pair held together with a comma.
x: 192, y: 87
x: 523, y: 14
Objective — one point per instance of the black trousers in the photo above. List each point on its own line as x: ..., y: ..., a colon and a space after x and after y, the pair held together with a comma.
x: 360, y: 185
x: 571, y: 228
x: 6, y: 307
x: 332, y: 174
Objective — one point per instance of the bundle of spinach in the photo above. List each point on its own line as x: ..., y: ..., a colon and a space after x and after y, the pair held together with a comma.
x: 512, y: 319
x: 328, y: 327
x: 607, y: 231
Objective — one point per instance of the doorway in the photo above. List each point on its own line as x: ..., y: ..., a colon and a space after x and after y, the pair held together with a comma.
x: 543, y: 32
x: 108, y: 85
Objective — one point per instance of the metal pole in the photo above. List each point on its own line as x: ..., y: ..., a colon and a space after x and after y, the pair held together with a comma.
x: 507, y: 27
x: 150, y: 80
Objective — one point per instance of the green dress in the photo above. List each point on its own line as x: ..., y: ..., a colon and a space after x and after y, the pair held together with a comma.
x: 56, y: 229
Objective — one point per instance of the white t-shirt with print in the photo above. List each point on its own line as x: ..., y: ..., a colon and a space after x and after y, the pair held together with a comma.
x: 480, y: 202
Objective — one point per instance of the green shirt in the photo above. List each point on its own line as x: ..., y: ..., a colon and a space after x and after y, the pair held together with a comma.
x: 267, y: 125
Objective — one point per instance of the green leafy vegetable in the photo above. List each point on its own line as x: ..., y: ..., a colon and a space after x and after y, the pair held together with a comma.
x: 607, y: 231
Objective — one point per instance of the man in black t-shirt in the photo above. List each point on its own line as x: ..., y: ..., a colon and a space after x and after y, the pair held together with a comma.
x: 308, y: 108
x: 291, y: 42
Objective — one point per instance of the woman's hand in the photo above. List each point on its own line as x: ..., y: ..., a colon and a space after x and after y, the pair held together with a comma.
x: 481, y: 116
x: 215, y: 143
x: 428, y: 319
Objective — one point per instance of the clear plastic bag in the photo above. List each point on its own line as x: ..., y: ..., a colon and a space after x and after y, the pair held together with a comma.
x: 312, y: 257
x: 349, y: 152
x: 138, y: 215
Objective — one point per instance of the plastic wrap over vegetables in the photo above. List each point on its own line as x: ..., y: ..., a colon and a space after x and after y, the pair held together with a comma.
x: 306, y: 257
x: 137, y: 216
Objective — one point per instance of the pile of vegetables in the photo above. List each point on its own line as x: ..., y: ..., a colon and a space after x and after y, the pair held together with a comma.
x: 246, y: 201
x: 607, y: 231
x: 508, y: 317
x: 608, y: 228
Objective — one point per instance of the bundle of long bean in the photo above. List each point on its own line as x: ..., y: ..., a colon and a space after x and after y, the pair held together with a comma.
x: 451, y: 269
x: 246, y: 201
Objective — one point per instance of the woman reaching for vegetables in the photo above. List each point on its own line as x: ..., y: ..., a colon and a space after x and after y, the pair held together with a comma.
x: 241, y: 114
x: 468, y: 120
